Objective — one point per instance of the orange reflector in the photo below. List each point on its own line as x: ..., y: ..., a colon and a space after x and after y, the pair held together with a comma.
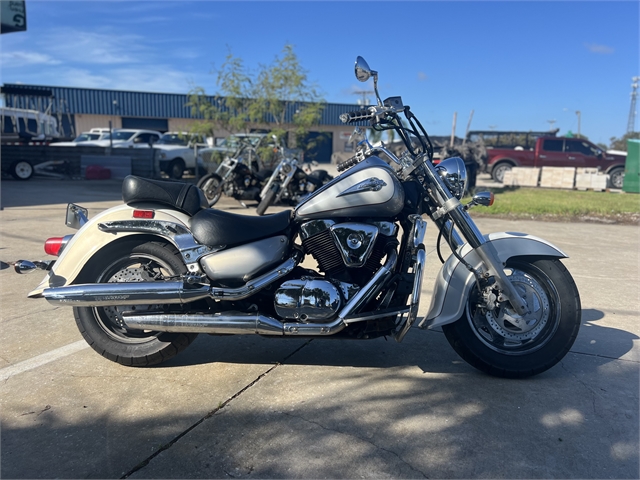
x: 143, y: 213
x: 53, y: 245
x: 493, y: 197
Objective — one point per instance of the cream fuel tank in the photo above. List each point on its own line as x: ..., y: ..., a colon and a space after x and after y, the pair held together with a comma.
x: 370, y: 189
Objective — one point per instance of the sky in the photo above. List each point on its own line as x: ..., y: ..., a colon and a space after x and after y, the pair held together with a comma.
x: 518, y: 65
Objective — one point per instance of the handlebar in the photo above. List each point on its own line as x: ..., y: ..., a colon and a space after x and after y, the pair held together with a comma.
x: 342, y: 166
x: 356, y: 116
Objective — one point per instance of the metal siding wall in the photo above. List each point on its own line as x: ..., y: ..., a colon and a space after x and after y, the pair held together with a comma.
x: 145, y: 104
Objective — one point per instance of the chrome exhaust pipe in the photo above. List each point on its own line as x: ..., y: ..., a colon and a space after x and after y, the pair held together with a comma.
x: 138, y: 293
x: 230, y: 323
x: 152, y: 293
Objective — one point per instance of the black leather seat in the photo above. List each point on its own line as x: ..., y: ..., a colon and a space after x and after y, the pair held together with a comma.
x: 216, y: 227
x: 182, y: 196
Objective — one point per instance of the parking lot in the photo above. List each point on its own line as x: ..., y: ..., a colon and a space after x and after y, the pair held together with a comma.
x: 252, y: 407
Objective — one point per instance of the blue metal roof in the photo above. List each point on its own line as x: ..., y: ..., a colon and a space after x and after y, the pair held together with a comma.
x: 120, y: 103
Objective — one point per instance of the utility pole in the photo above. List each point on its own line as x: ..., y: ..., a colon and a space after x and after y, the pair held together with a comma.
x: 466, y: 133
x: 453, y: 128
x: 631, y: 124
x: 579, y: 115
x: 551, y: 122
x: 364, y: 100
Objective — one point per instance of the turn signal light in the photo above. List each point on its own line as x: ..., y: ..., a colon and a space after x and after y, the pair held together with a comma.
x: 143, y: 213
x: 53, y: 245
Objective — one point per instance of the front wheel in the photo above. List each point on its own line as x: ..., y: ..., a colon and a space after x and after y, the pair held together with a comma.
x: 267, y: 200
x: 104, y: 328
x: 499, y: 342
x: 211, y: 185
x: 176, y: 169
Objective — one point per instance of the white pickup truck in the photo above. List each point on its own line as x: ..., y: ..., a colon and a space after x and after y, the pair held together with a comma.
x: 177, y: 152
x: 126, y: 138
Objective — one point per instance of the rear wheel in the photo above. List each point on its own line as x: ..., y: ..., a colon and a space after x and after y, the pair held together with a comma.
x: 210, y: 185
x: 104, y: 328
x: 616, y: 178
x: 501, y: 343
x: 497, y: 172
x: 267, y: 200
x: 22, y: 170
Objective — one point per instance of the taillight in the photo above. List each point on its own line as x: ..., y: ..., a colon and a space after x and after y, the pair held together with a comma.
x: 143, y: 214
x: 53, y: 245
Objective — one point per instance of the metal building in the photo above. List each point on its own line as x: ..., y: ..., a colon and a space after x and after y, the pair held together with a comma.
x: 80, y: 109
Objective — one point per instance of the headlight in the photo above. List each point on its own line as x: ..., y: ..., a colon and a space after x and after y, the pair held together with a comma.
x: 286, y: 168
x: 454, y: 174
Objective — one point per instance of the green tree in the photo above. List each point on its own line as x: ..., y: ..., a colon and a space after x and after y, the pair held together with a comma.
x: 621, y: 143
x: 264, y: 97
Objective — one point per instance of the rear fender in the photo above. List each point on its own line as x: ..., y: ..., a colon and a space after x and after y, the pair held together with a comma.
x: 90, y: 240
x: 454, y: 281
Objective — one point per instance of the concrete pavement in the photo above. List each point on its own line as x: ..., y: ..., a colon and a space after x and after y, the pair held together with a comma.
x: 251, y: 407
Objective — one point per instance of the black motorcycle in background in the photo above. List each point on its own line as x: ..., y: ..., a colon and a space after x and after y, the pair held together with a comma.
x: 290, y: 182
x: 239, y: 176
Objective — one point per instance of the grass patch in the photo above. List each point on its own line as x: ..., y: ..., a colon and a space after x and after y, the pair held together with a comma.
x: 562, y: 205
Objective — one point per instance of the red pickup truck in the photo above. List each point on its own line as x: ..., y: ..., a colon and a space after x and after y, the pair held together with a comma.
x: 557, y: 152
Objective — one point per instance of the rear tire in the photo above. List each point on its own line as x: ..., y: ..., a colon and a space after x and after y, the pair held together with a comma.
x: 524, y: 346
x: 266, y: 201
x: 210, y: 185
x: 103, y: 327
x: 616, y: 178
x: 498, y: 171
x: 21, y: 170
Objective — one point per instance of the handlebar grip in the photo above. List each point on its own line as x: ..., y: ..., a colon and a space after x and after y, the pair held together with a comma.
x: 356, y: 116
x: 342, y: 166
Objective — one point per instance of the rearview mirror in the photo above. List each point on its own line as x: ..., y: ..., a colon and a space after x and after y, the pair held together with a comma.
x: 363, y: 72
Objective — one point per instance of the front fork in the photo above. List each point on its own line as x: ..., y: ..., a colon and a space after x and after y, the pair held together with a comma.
x: 486, y: 251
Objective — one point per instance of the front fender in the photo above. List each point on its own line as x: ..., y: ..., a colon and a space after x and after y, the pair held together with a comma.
x: 454, y: 281
x: 89, y: 240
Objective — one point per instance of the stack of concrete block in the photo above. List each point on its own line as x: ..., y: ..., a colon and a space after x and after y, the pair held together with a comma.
x: 591, y: 179
x: 558, y: 177
x: 521, y: 177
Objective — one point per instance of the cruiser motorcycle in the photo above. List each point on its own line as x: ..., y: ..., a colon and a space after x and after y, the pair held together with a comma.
x: 238, y: 176
x: 290, y: 183
x: 146, y: 277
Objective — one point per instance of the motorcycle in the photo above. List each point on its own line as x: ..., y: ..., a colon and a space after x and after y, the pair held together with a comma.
x: 290, y: 183
x: 146, y: 277
x: 239, y: 176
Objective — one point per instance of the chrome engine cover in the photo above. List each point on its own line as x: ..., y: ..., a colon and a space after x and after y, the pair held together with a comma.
x: 308, y: 300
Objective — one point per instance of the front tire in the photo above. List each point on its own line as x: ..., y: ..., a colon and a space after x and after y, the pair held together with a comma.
x: 212, y: 188
x: 501, y: 343
x: 267, y: 200
x: 176, y: 169
x: 103, y: 327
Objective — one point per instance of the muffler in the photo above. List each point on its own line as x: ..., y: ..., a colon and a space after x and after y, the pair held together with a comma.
x: 230, y: 323
x: 138, y: 293
x: 153, y: 293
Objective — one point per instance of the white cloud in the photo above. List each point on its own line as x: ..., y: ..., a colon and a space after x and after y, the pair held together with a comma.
x: 600, y: 49
x: 23, y: 58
